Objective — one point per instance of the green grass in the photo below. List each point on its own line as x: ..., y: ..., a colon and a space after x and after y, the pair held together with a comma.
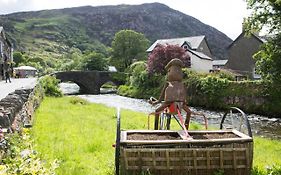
x: 81, y: 135
x: 267, y: 152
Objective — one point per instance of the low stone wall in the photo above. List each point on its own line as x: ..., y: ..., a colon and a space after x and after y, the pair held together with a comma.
x: 17, y: 108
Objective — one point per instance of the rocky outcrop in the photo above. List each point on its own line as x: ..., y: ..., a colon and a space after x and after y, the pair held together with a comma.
x: 17, y: 108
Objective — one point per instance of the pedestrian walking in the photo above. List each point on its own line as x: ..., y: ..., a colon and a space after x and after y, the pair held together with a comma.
x: 7, y: 75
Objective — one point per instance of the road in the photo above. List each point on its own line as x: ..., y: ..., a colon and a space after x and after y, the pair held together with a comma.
x: 19, y: 83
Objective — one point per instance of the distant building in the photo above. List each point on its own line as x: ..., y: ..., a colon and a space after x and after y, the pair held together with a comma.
x: 241, y: 53
x: 219, y: 64
x: 25, y: 71
x: 197, y: 48
x: 6, y: 54
x: 112, y: 69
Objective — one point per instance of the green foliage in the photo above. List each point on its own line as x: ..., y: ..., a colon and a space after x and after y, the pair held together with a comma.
x: 267, y: 14
x: 275, y: 170
x: 141, y: 84
x: 79, y: 101
x: 109, y: 85
x: 95, y: 61
x: 18, y: 58
x: 119, y: 77
x: 22, y: 159
x: 83, y: 144
x: 50, y: 86
x: 269, y: 60
x: 212, y: 87
x: 225, y: 74
x: 73, y: 60
x: 128, y: 46
x: 219, y: 172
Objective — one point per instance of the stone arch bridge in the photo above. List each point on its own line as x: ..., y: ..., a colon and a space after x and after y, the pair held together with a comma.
x: 91, y: 81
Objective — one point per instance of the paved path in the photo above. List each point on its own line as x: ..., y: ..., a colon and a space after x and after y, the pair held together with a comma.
x: 6, y: 88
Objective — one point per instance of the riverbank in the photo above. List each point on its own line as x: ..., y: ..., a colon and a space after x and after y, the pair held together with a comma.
x: 80, y: 135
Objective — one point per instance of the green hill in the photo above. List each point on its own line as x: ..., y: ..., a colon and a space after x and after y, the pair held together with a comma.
x: 54, y: 33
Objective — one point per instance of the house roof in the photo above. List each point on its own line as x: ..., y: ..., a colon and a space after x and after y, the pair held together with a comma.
x: 193, y: 42
x: 219, y: 62
x: 199, y: 54
x: 259, y: 38
x: 25, y: 68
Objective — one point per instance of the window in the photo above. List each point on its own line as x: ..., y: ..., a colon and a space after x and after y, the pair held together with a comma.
x: 255, y: 74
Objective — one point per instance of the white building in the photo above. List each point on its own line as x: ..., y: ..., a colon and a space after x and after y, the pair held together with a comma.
x: 197, y: 48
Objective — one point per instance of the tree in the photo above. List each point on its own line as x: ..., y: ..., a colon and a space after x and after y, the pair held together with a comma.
x: 161, y: 55
x: 18, y: 58
x: 94, y: 61
x: 267, y: 14
x: 128, y: 46
x: 73, y: 60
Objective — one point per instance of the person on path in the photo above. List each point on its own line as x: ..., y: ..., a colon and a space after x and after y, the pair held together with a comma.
x: 7, y: 76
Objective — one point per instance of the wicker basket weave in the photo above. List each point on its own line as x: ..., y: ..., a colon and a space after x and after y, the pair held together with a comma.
x: 233, y: 156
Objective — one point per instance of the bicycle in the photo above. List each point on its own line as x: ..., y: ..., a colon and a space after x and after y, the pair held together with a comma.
x: 172, y: 111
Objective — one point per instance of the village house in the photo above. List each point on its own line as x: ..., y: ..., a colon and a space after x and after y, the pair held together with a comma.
x: 219, y: 64
x: 197, y: 48
x: 241, y: 52
x: 6, y: 54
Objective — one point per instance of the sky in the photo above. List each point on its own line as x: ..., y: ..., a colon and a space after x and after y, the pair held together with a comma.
x: 225, y: 15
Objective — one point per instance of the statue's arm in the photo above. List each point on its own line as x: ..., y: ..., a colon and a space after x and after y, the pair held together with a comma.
x: 161, y: 98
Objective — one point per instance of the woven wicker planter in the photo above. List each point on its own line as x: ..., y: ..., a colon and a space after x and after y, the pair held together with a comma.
x: 203, y: 155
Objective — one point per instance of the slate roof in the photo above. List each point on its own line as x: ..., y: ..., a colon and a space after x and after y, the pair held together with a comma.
x: 200, y: 54
x: 219, y: 62
x: 193, y: 42
x: 259, y: 38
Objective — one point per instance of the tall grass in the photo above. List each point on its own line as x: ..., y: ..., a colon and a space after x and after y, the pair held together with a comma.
x: 81, y: 135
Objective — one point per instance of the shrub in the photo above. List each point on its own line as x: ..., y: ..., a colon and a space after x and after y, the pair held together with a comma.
x: 50, y: 86
x: 161, y: 55
x: 22, y: 159
x: 79, y: 101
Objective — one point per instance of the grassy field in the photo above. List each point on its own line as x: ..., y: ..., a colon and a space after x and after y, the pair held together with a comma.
x: 80, y: 136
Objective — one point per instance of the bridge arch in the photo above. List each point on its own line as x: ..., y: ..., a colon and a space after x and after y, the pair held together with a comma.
x: 91, y: 81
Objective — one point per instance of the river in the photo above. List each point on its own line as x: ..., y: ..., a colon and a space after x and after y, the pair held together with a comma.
x: 261, y: 125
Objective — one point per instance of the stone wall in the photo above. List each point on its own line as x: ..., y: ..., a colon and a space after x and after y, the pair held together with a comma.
x: 17, y: 108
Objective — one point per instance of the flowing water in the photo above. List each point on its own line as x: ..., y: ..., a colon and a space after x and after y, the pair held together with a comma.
x: 261, y: 125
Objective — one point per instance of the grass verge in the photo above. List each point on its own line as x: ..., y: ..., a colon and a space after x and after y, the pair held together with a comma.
x: 81, y: 135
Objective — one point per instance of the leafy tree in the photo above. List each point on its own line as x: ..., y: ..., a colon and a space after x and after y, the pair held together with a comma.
x: 267, y: 14
x: 94, y: 61
x: 72, y: 61
x: 18, y: 58
x: 128, y: 46
x: 161, y: 55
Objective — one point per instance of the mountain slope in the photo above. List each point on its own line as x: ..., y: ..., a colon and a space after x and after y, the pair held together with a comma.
x: 54, y: 32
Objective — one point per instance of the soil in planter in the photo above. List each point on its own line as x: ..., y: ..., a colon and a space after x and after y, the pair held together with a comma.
x: 175, y: 136
x: 153, y: 136
x: 203, y: 136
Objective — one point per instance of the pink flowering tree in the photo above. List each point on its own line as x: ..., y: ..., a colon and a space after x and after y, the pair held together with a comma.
x: 162, y: 54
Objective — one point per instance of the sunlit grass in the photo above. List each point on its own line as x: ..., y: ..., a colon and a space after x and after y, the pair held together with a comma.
x: 267, y: 152
x: 81, y: 135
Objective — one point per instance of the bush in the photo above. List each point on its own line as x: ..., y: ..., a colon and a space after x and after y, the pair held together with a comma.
x: 141, y: 84
x: 21, y: 158
x: 50, y: 86
x: 79, y: 101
